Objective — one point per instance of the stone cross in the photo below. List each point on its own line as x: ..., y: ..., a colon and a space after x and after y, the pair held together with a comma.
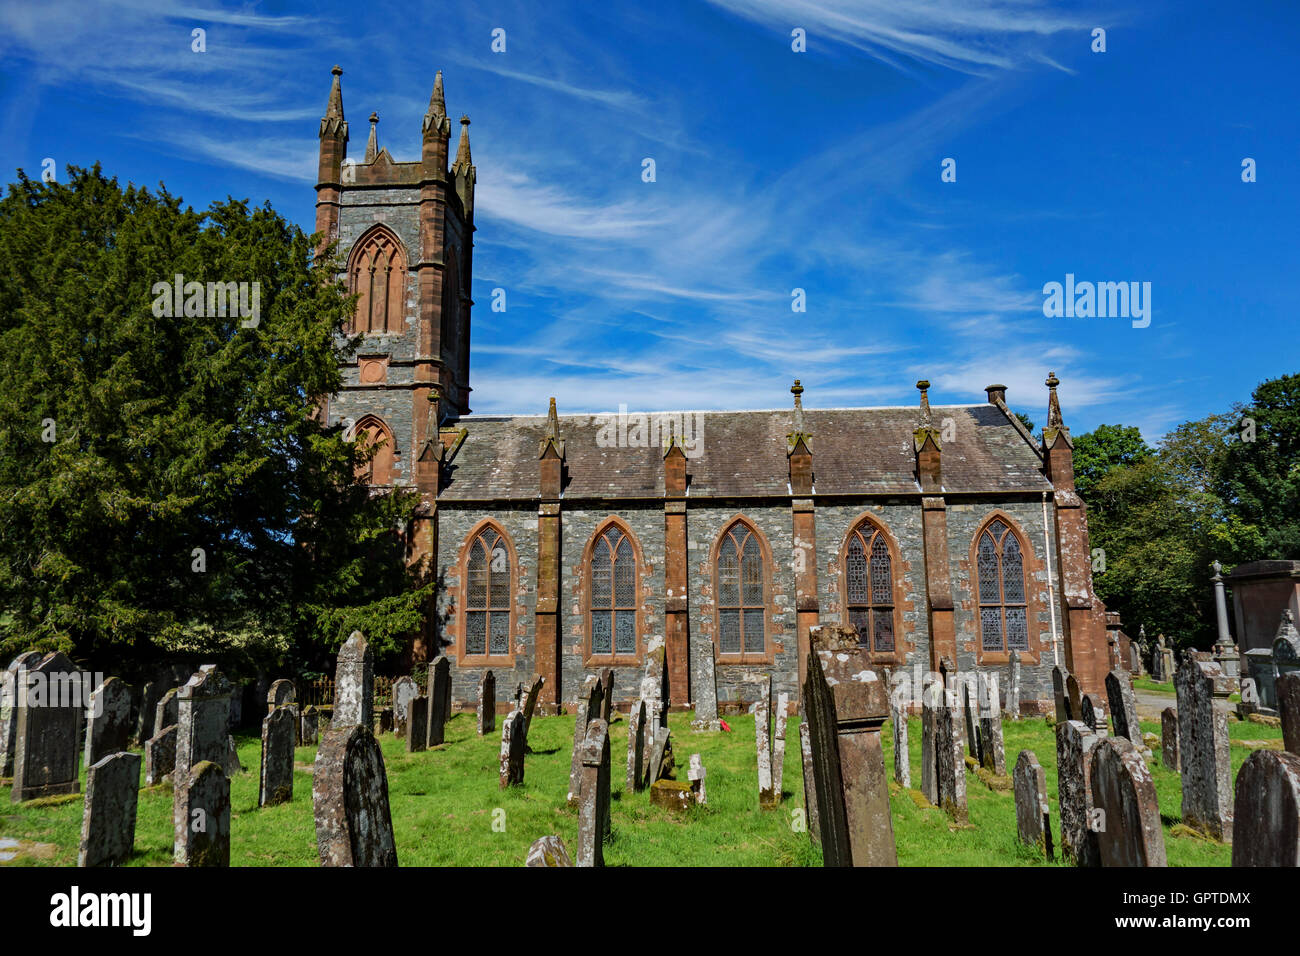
x: 160, y: 756
x: 487, y: 704
x: 593, y: 798
x: 108, y: 820
x: 588, y: 709
x: 763, y: 743
x: 809, y: 787
x: 898, y: 722
x: 1266, y: 812
x: 279, y: 734
x: 1169, y: 739
x: 992, y: 753
x: 354, y: 685
x: 548, y: 851
x: 47, y: 743
x: 1074, y: 746
x: 1033, y: 815
x: 354, y: 826
x: 1204, y: 754
x: 1288, y: 709
x: 439, y: 700
x: 202, y: 816
x: 1124, y: 799
x: 108, y: 727
x: 1013, y: 686
x: 404, y: 691
x: 1059, y: 677
x: 636, y: 720
x: 696, y: 774
x: 512, y: 750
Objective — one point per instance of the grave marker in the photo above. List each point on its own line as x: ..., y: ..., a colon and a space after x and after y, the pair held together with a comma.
x: 47, y: 743
x: 636, y: 721
x: 202, y: 816
x: 354, y: 685
x: 587, y: 709
x: 354, y: 826
x: 1169, y: 739
x: 108, y: 726
x: 1266, y: 811
x: 593, y: 799
x: 992, y: 753
x: 1288, y: 708
x: 763, y: 743
x: 108, y: 821
x: 1123, y: 792
x: 696, y: 775
x: 1123, y: 707
x: 898, y: 721
x: 1033, y: 815
x: 279, y: 734
x: 160, y: 756
x: 417, y: 723
x: 1205, y: 758
x: 1074, y: 746
x: 809, y: 786
x: 404, y: 691
x: 512, y: 750
x: 1059, y: 675
x: 439, y: 700
x: 487, y: 704
x: 548, y: 851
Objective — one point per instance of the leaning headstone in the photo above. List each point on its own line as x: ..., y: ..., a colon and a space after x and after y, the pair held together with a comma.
x: 354, y: 826
x: 847, y: 705
x: 992, y: 753
x: 512, y: 750
x: 1074, y: 746
x: 548, y: 851
x: 47, y: 741
x: 202, y: 817
x: 1124, y: 799
x: 1266, y: 831
x: 404, y: 691
x: 160, y: 756
x: 593, y: 798
x: 1169, y: 738
x: 778, y: 747
x: 809, y: 787
x: 636, y: 719
x: 587, y: 709
x: 1204, y: 754
x: 309, y: 726
x: 1033, y: 816
x: 763, y: 744
x: 108, y: 821
x: 1288, y: 708
x: 898, y: 721
x: 108, y: 727
x: 1075, y: 698
x: 696, y: 775
x: 417, y: 723
x: 279, y: 734
x: 661, y: 761
x: 487, y: 704
x: 9, y: 710
x: 969, y: 703
x: 1123, y: 707
x: 354, y: 685
x: 1013, y: 686
x: 281, y: 694
x: 439, y: 700
x: 1059, y: 677
x: 530, y: 703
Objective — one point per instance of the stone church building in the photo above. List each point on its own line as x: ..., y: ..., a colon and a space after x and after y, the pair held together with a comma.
x: 566, y: 544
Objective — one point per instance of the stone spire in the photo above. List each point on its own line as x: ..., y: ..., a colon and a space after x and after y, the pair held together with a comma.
x: 551, y: 440
x: 925, y: 430
x: 332, y: 122
x: 800, y: 433
x: 437, y: 111
x: 372, y: 146
x: 1055, y: 424
x: 462, y: 151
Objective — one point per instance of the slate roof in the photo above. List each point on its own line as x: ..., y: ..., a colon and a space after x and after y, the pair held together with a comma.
x: 743, y: 454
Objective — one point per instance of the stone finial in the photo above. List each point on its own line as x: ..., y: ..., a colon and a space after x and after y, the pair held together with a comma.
x: 800, y: 435
x: 925, y: 430
x: 1055, y: 427
x: 332, y: 122
x: 463, y: 160
x: 437, y: 104
x: 1218, y: 571
x: 924, y: 386
x: 372, y: 145
x: 435, y: 118
x: 674, y: 440
x: 551, y: 441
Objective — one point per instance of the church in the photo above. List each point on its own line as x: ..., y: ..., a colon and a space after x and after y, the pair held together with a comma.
x: 946, y: 535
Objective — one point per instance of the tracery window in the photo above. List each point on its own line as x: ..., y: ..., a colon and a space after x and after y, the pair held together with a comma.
x: 613, y: 591
x: 742, y: 606
x: 378, y: 275
x: 870, y: 586
x: 488, y: 571
x: 1004, y: 623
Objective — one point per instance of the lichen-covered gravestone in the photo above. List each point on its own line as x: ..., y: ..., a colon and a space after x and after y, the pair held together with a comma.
x: 636, y: 719
x: 487, y: 704
x: 931, y: 699
x: 49, y: 716
x: 1075, y: 698
x: 281, y: 694
x: 309, y: 726
x: 1089, y: 713
x: 405, y: 690
x: 1123, y: 707
x: 279, y: 734
x: 108, y: 821
x: 1124, y: 798
x: 203, y: 714
x: 1288, y: 708
x: 512, y: 750
x: 969, y: 707
x: 950, y: 768
x: 763, y: 743
x: 898, y: 722
x: 9, y: 710
x: 108, y: 728
x: 809, y: 786
x: 439, y: 700
x: 607, y: 694
x: 149, y: 697
x: 160, y: 756
x: 548, y: 851
x: 992, y: 752
x: 354, y: 685
x: 166, y: 712
x: 354, y: 826
x: 1033, y: 815
x: 1204, y: 754
x: 1266, y: 813
x: 1013, y: 685
x: 202, y: 818
x: 1059, y: 677
x: 778, y: 747
x: 1074, y: 746
x: 1169, y: 738
x: 530, y: 704
x: 587, y: 710
x: 593, y: 796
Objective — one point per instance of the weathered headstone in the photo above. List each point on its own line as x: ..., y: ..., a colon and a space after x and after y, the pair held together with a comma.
x: 1059, y: 676
x: 530, y: 704
x: 108, y: 726
x: 607, y: 694
x: 778, y: 747
x: 417, y: 723
x: 1169, y: 738
x: 202, y: 816
x: 108, y: 820
x: 593, y: 797
x: 898, y: 722
x: 279, y: 734
x: 548, y: 851
x: 404, y: 691
x: 1266, y: 813
x: 1074, y: 697
x: 969, y: 708
x: 167, y: 710
x: 487, y: 704
x: 636, y: 720
x: 660, y: 764
x: 281, y: 694
x: 512, y: 750
x: 1204, y: 755
x: 950, y: 768
x: 309, y: 726
x: 696, y: 774
x: 1124, y: 799
x: 232, y: 765
x: 439, y: 700
x: 931, y: 699
x: 809, y: 786
x: 354, y: 826
x: 150, y: 694
x: 1033, y: 815
x: 992, y: 753
x: 1088, y: 713
x: 1288, y: 709
x: 847, y: 705
x: 586, y: 711
x: 1074, y: 746
x: 354, y: 685
x: 1013, y: 685
x: 763, y: 744
x: 1123, y: 707
x: 704, y: 686
x: 49, y: 704
x: 203, y: 713
x: 160, y: 756
x: 9, y: 710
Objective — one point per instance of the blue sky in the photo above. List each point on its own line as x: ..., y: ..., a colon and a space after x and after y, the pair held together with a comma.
x: 775, y: 170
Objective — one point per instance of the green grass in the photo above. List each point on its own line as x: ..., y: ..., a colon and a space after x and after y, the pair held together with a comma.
x: 444, y: 805
x: 1147, y: 684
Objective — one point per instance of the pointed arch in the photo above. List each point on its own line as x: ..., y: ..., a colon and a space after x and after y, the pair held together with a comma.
x: 372, y: 432
x: 612, y: 563
x: 871, y: 587
x: 377, y: 270
x: 1003, y: 565
x: 450, y: 309
x: 489, y: 576
x: 741, y: 562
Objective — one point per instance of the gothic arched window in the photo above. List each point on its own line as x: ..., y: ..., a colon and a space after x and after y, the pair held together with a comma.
x: 613, y: 595
x: 377, y: 273
x: 450, y: 324
x: 742, y: 605
x: 869, y: 583
x: 1004, y: 624
x: 488, y: 585
x: 371, y: 434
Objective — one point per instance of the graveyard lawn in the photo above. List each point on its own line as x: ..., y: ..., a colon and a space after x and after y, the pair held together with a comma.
x: 448, y: 811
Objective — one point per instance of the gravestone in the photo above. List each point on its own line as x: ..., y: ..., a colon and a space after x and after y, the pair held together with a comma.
x: 202, y: 816
x: 487, y: 704
x: 49, y: 704
x: 530, y: 704
x: 586, y: 711
x: 232, y: 765
x: 354, y: 826
x: 1088, y: 713
x: 108, y: 726
x: 763, y: 744
x: 279, y: 734
x: 281, y: 694
x: 1123, y: 707
x: 167, y: 710
x: 778, y: 747
x: 1033, y: 815
x: 160, y: 756
x: 9, y: 710
x: 309, y: 724
x: 593, y: 798
x: 950, y: 768
x: 1266, y: 813
x: 992, y: 753
x: 1059, y: 677
x: 1288, y: 709
x: 847, y: 705
x: 1074, y: 697
x: 1074, y: 746
x: 931, y: 699
x: 1129, y: 832
x: 512, y: 750
x: 1205, y: 758
x: 1169, y: 738
x: 809, y: 786
x: 149, y: 696
x: 704, y: 686
x: 354, y: 685
x: 661, y: 762
x: 108, y: 820
x: 548, y: 851
x: 203, y: 715
x: 439, y: 700
x: 696, y: 774
x: 404, y: 691
x: 636, y: 720
x: 417, y: 723
x: 607, y: 694
x: 969, y: 705
x: 898, y: 722
x: 1013, y: 685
